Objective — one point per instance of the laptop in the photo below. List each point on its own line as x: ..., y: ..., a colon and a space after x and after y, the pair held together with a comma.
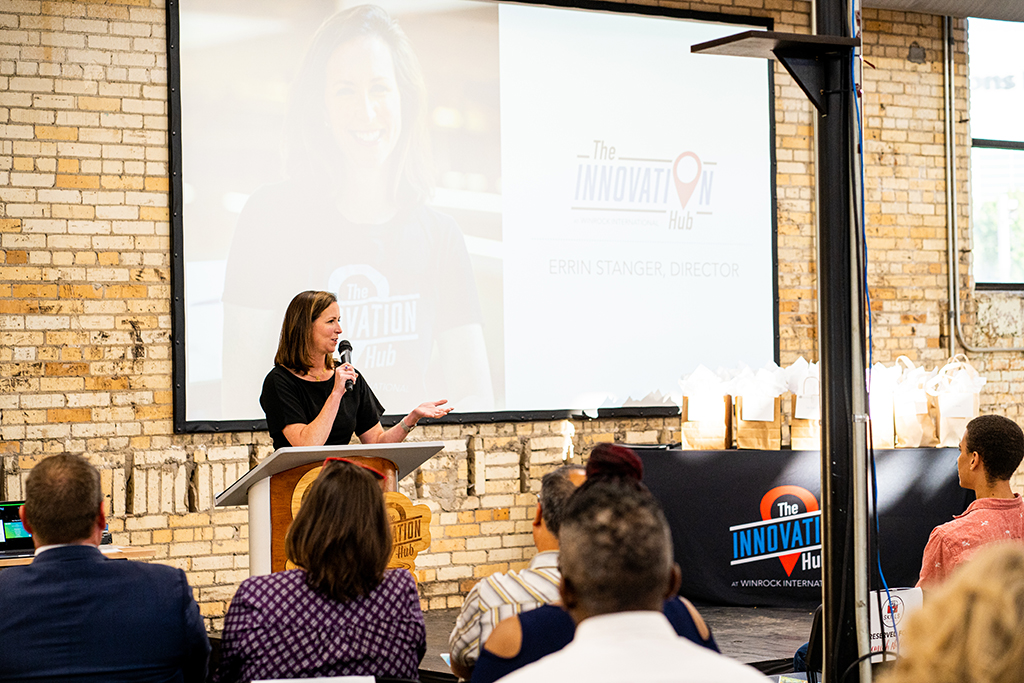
x: 15, y: 541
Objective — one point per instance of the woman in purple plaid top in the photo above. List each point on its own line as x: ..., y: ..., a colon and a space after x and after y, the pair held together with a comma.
x: 342, y: 614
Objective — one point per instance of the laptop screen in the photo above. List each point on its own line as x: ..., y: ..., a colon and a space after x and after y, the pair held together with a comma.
x: 14, y: 537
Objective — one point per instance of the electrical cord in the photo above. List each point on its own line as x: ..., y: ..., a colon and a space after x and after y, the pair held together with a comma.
x: 860, y: 659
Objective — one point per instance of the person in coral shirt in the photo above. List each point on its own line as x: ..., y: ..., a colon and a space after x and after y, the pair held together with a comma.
x: 991, y: 449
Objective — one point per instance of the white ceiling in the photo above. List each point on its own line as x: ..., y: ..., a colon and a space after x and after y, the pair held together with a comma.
x: 1006, y: 10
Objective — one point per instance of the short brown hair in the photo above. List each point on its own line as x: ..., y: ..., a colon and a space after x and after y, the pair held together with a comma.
x: 341, y: 535
x: 297, y: 330
x: 63, y: 498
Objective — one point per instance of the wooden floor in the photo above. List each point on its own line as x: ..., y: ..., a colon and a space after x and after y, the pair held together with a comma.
x: 748, y: 634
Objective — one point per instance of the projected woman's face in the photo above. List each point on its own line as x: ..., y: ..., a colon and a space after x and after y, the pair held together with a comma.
x: 364, y: 106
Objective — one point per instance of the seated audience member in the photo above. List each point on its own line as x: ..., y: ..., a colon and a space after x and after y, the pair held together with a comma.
x: 75, y: 615
x: 525, y: 638
x: 340, y: 613
x: 971, y: 629
x: 990, y: 451
x: 617, y: 571
x: 502, y: 595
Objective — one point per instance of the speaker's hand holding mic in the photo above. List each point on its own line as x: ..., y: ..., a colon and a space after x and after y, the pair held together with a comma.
x: 345, y: 372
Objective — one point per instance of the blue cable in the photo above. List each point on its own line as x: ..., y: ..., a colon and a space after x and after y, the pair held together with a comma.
x: 863, y: 203
x: 878, y: 558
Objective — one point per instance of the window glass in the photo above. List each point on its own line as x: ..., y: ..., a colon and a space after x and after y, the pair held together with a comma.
x: 996, y: 68
x: 997, y: 199
x: 997, y: 79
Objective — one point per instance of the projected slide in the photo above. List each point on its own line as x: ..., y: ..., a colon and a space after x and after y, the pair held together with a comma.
x: 519, y: 208
x: 635, y: 207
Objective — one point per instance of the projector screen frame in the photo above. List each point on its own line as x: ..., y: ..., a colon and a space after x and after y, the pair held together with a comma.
x: 178, y: 307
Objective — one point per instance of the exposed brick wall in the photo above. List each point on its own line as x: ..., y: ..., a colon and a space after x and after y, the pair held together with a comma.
x: 905, y: 170
x: 85, y: 295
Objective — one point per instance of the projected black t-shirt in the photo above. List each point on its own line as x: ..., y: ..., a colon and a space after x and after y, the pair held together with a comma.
x: 287, y: 399
x: 399, y: 285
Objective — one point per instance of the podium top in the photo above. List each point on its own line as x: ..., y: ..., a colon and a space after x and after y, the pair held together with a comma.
x: 406, y: 456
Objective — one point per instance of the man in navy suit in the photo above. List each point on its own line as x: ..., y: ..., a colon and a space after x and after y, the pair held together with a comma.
x: 75, y: 615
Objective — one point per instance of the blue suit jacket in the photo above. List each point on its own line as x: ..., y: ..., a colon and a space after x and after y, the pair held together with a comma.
x: 75, y: 615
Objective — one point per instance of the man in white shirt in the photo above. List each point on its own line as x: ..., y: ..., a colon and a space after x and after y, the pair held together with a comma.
x: 617, y: 569
x: 502, y: 595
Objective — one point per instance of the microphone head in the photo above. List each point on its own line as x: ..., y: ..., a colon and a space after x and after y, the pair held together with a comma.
x: 344, y: 345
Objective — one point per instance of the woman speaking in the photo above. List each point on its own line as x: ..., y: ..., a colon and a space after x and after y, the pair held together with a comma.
x: 304, y: 396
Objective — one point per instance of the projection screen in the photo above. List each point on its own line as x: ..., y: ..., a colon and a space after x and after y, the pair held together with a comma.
x: 521, y: 208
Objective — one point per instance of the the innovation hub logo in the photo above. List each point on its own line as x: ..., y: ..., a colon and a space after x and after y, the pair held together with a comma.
x: 789, y: 530
x: 679, y: 188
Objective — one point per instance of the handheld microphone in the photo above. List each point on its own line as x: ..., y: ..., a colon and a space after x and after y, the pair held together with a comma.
x: 345, y: 352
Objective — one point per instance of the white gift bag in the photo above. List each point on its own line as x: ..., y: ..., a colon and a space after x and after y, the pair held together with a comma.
x: 957, y: 392
x: 805, y: 425
x: 880, y: 405
x: 915, y: 427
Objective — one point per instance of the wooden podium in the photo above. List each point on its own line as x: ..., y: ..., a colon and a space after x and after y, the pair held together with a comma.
x: 273, y: 490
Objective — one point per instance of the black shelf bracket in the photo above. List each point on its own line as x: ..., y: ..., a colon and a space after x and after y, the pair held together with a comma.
x: 803, y: 56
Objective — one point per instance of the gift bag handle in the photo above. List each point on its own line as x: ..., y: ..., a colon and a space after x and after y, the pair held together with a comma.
x: 906, y: 363
x: 944, y: 376
x: 803, y: 385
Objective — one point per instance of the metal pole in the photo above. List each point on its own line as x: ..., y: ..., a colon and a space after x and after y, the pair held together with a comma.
x: 840, y: 351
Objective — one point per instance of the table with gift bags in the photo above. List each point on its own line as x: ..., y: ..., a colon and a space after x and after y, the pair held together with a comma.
x: 909, y: 406
x: 745, y: 510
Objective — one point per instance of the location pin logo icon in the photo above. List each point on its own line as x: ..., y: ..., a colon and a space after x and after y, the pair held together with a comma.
x: 768, y: 502
x: 686, y: 185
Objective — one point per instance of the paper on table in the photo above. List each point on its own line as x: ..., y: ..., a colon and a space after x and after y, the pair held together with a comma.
x: 910, y: 408
x: 703, y: 407
x: 808, y: 407
x: 758, y: 407
x: 957, y: 404
x: 759, y: 390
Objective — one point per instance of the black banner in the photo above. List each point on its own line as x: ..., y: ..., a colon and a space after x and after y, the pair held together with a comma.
x: 746, y: 524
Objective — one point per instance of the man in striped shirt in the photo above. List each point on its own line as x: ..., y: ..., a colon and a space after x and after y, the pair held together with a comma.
x: 500, y: 596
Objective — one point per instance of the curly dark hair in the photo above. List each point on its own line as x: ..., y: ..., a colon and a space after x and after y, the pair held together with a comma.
x: 999, y: 442
x: 616, y: 550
